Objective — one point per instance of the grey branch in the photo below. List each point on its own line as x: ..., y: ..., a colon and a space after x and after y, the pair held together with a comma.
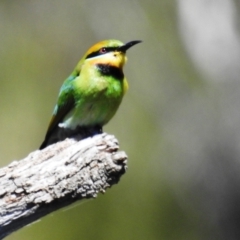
x: 57, y: 176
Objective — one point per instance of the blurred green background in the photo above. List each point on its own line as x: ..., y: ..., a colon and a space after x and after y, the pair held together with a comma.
x: 179, y: 122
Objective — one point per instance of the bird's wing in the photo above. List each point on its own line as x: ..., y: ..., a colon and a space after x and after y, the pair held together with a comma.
x: 64, y: 105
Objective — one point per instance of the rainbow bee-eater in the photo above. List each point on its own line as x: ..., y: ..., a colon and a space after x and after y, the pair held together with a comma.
x: 91, y: 95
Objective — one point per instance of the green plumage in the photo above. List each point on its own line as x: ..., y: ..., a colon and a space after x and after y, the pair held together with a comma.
x: 96, y: 98
x: 91, y: 95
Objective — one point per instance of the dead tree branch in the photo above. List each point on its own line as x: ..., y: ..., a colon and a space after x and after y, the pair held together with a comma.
x: 57, y: 176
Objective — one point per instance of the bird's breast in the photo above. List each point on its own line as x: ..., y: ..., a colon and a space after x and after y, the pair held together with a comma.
x: 97, y: 100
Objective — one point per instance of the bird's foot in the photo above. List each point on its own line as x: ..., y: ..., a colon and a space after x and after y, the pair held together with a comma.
x: 84, y: 132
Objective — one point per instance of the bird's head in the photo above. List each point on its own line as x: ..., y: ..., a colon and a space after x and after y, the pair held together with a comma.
x: 112, y: 52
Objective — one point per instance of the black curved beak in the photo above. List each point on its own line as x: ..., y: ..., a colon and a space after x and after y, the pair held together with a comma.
x: 126, y: 46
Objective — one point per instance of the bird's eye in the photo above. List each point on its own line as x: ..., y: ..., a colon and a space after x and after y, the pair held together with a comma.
x: 103, y: 50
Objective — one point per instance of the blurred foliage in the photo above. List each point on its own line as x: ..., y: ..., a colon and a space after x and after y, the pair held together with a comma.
x: 178, y: 123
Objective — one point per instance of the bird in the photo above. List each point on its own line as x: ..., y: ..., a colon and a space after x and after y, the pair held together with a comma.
x: 92, y: 93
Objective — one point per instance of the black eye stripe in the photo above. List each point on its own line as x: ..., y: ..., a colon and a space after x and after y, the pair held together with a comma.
x: 99, y: 52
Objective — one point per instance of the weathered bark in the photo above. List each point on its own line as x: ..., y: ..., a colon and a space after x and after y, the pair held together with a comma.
x: 57, y: 176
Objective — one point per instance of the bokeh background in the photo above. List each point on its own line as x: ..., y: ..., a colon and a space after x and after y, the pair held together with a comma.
x: 179, y: 123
